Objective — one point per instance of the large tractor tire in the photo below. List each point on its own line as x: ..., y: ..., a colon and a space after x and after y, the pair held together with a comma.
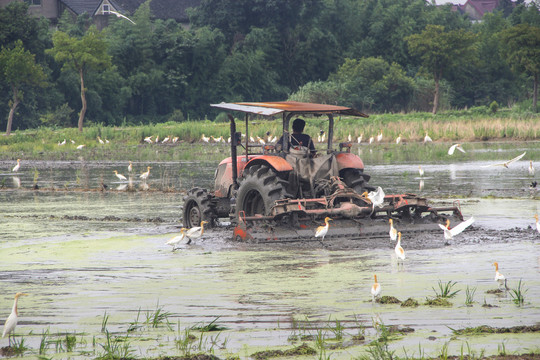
x: 198, y: 206
x: 259, y: 188
x: 356, y: 180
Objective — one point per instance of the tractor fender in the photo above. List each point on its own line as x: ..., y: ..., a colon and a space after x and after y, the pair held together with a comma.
x: 275, y: 162
x: 349, y: 161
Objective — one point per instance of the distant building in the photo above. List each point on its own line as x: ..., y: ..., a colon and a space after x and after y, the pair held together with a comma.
x: 99, y: 9
x: 477, y: 8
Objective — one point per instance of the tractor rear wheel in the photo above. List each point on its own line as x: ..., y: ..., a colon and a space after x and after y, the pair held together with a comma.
x: 198, y: 206
x: 259, y: 188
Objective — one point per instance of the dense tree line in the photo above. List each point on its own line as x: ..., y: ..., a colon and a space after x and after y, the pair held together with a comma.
x: 375, y: 55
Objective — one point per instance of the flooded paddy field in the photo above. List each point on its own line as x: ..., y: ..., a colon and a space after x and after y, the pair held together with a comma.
x: 97, y: 270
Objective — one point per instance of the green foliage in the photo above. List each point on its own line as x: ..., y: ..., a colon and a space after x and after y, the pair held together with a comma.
x: 61, y: 117
x: 445, y: 290
x: 518, y: 294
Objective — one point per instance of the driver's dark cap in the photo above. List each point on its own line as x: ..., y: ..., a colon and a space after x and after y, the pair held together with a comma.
x: 298, y: 125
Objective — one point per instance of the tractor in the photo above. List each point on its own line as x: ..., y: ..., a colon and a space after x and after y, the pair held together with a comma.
x: 276, y: 191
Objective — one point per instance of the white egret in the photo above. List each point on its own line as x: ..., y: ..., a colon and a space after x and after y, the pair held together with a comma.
x: 420, y: 170
x: 175, y: 139
x: 427, y: 138
x: 204, y: 138
x: 120, y: 176
x: 371, y: 139
x: 122, y: 16
x: 166, y: 139
x: 146, y: 174
x: 148, y: 139
x: 251, y: 139
x: 375, y: 289
x: 380, y: 137
x: 72, y: 141
x: 498, y: 276
x: 450, y: 233
x: 537, y: 223
x: 80, y: 146
x: 130, y: 166
x: 393, y: 232
x: 359, y: 139
x: 454, y: 147
x: 12, y: 319
x: 100, y: 141
x: 17, y: 167
x: 197, y: 231
x: 376, y: 197
x: 62, y: 143
x: 398, y: 140
x: 349, y: 138
x: 323, y: 230
x: 400, y: 253
x: 531, y: 168
x: 506, y: 163
x: 179, y: 239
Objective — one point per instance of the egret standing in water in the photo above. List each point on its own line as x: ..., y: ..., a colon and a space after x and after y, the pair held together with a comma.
x: 498, y: 276
x: 179, y: 239
x: 17, y: 167
x: 537, y: 223
x: 11, y: 321
x: 531, y: 168
x: 375, y: 289
x: 400, y: 253
x: 197, y: 231
x: 120, y: 176
x: 323, y: 230
x: 393, y: 232
x: 420, y: 171
x: 146, y: 174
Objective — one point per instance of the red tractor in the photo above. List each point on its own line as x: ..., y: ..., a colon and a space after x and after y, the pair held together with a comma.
x: 280, y: 191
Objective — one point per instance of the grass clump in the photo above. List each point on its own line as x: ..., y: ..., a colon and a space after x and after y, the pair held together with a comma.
x: 410, y: 302
x: 518, y: 294
x: 438, y: 301
x: 388, y: 300
x: 445, y: 290
x: 301, y: 350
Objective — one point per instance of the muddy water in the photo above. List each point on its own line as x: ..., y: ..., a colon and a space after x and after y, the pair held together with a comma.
x: 84, y: 256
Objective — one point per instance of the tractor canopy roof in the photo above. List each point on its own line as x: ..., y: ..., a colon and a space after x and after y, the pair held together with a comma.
x: 295, y: 107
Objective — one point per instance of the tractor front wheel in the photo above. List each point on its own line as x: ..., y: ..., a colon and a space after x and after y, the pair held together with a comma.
x: 198, y: 206
x: 259, y: 188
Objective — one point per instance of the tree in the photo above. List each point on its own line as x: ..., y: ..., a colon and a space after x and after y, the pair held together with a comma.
x: 18, y: 68
x: 439, y: 51
x: 82, y: 55
x: 522, y: 51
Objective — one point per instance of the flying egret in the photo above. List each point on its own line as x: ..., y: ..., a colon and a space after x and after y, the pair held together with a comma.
x: 375, y: 289
x: 145, y: 175
x: 12, y: 319
x: 400, y: 253
x: 450, y: 233
x: 80, y: 146
x: 498, y: 276
x: 17, y: 167
x: 122, y: 16
x: 393, y: 232
x: 197, y: 231
x: 420, y: 170
x: 179, y: 239
x: 322, y: 230
x: 130, y: 166
x: 531, y: 168
x: 120, y: 176
x: 537, y: 223
x: 376, y: 197
x: 427, y: 138
x: 454, y: 147
x: 505, y: 164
